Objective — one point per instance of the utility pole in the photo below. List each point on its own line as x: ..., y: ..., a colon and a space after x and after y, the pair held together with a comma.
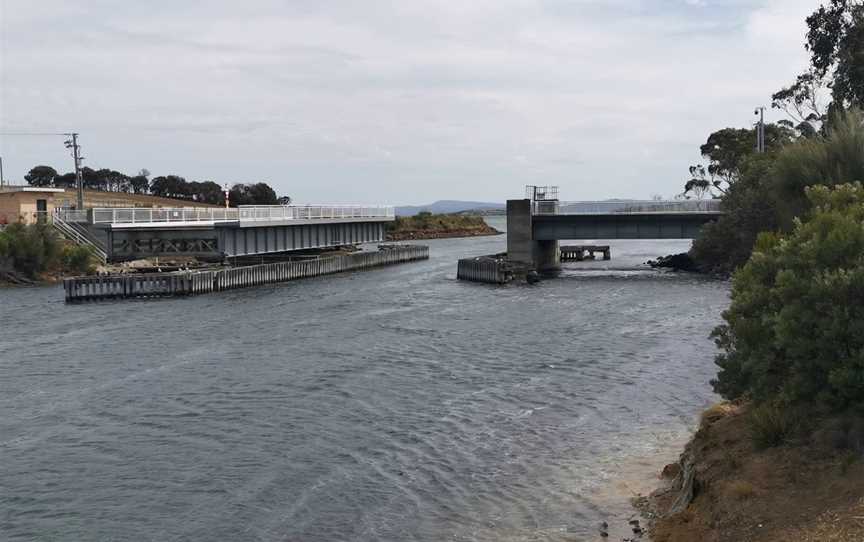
x: 2, y: 182
x: 760, y: 129
x: 79, y: 181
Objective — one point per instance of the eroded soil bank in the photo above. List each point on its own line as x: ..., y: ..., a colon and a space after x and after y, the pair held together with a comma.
x: 723, y: 489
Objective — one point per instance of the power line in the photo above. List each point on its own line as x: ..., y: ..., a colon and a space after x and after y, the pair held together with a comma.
x: 35, y: 133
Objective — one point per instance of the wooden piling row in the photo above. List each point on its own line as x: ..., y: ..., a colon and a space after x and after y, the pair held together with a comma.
x: 484, y: 269
x: 183, y: 283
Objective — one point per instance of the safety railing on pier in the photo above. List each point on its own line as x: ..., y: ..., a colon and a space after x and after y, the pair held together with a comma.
x: 251, y: 213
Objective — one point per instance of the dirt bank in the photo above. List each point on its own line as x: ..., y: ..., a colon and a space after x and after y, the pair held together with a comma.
x: 726, y: 490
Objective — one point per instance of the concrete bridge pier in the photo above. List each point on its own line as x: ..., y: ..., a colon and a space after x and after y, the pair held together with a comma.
x: 543, y: 256
x: 547, y: 256
x: 520, y: 234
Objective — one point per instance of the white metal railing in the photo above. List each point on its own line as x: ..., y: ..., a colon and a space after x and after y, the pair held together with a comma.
x: 313, y: 212
x: 68, y: 231
x: 159, y: 215
x: 71, y: 215
x: 246, y: 213
x: 632, y: 206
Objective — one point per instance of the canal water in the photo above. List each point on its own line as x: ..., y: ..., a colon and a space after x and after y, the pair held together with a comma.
x: 393, y: 404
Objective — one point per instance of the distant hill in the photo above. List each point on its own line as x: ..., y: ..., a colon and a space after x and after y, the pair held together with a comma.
x: 447, y: 206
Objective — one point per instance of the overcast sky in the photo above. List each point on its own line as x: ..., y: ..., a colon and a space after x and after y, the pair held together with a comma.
x: 398, y: 102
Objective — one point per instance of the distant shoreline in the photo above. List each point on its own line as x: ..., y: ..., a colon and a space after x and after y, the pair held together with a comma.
x: 454, y: 234
x: 440, y: 226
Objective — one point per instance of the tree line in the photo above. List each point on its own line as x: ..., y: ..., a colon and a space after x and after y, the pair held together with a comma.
x: 765, y: 191
x: 791, y: 238
x: 167, y: 186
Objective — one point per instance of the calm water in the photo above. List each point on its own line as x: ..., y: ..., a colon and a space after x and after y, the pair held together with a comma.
x: 395, y: 404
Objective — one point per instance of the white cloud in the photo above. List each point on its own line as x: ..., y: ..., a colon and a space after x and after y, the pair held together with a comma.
x: 409, y: 102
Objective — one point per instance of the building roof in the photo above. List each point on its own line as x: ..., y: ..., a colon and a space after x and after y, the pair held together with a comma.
x: 24, y: 188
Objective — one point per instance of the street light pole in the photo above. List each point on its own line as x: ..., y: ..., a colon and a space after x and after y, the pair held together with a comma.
x: 79, y: 181
x: 760, y: 130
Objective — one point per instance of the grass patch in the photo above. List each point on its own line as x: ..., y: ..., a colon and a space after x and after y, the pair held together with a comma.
x: 741, y: 490
x: 715, y: 412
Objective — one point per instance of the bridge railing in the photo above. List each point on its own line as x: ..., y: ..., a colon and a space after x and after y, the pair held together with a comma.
x: 158, y: 215
x: 313, y: 212
x: 244, y: 213
x: 71, y: 215
x: 646, y: 206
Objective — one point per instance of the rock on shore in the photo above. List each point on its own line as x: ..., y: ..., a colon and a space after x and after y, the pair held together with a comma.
x: 675, y: 262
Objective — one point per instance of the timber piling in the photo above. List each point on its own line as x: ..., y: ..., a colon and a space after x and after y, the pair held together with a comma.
x: 492, y: 269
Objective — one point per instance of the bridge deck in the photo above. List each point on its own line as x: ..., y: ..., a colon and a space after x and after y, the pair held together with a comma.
x: 243, y: 216
x: 621, y: 225
x: 216, y: 233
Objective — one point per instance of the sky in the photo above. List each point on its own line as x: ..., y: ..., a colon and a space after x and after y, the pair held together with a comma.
x: 402, y: 102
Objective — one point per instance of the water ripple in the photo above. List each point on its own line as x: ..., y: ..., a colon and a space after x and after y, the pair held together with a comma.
x: 397, y: 404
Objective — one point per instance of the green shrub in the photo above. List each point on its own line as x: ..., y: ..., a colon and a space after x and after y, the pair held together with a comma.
x: 29, y: 250
x: 772, y: 424
x: 78, y: 259
x: 35, y: 249
x: 835, y: 158
x: 794, y: 331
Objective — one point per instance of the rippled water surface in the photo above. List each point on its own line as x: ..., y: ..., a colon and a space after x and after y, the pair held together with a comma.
x: 394, y: 404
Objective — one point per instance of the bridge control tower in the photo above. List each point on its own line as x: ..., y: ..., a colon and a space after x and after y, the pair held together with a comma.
x: 523, y: 249
x: 544, y: 199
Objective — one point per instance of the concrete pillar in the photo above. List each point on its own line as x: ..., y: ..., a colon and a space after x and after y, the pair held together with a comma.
x: 547, y: 256
x: 519, y: 231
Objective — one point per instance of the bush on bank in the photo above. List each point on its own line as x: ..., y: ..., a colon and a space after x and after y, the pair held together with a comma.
x: 794, y: 332
x: 33, y: 250
x: 770, y: 191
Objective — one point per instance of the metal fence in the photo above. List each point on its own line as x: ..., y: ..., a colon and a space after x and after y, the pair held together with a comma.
x: 250, y: 213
